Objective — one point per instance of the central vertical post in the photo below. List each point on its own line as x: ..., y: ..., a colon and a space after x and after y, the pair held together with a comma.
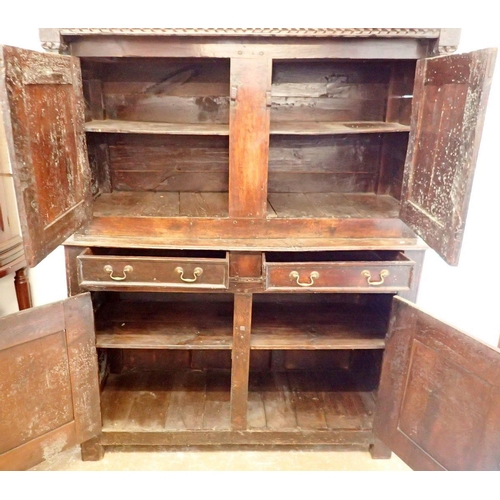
x: 242, y: 324
x: 249, y: 126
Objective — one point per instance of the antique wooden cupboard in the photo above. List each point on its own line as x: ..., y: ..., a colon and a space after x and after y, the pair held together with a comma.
x: 242, y: 207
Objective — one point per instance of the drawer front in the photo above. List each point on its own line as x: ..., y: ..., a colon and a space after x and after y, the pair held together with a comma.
x: 355, y: 277
x: 103, y: 272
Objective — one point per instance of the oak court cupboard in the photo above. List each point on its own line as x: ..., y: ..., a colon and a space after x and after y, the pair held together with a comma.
x: 241, y: 212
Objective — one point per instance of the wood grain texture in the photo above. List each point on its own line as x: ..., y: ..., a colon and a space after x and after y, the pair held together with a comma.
x: 42, y: 100
x: 168, y: 408
x: 166, y: 402
x: 201, y: 323
x: 160, y: 47
x: 439, y: 392
x: 49, y: 390
x: 280, y: 205
x: 249, y: 137
x: 449, y: 108
x: 154, y: 273
x: 294, y: 325
x: 329, y: 91
x: 242, y: 329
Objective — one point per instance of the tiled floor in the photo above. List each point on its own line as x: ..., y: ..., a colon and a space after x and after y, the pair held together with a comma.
x: 216, y: 459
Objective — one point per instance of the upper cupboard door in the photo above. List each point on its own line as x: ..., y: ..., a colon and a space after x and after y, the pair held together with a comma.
x: 43, y: 111
x: 49, y: 390
x: 439, y: 397
x: 449, y: 105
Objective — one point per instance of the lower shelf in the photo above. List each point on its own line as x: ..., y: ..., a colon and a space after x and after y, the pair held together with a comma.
x: 280, y: 205
x: 199, y: 401
x: 167, y: 401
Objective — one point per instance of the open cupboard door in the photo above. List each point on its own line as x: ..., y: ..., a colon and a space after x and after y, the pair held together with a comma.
x: 439, y: 397
x: 449, y: 105
x: 43, y: 114
x: 49, y: 389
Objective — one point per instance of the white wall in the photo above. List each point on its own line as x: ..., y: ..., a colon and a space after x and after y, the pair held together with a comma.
x: 466, y: 296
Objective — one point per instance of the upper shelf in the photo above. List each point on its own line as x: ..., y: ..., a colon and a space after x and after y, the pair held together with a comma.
x: 331, y: 128
x: 279, y: 128
x: 134, y: 127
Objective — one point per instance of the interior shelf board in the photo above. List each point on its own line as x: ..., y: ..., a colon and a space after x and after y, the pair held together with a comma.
x: 199, y: 400
x: 295, y: 326
x: 330, y: 128
x: 201, y: 325
x: 135, y: 127
x: 280, y: 205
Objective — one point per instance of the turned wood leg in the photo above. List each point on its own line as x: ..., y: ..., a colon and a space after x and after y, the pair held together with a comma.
x: 92, y: 450
x: 23, y: 293
x: 379, y: 450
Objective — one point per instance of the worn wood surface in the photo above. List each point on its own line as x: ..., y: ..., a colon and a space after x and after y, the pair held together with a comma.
x: 329, y: 91
x: 242, y: 330
x: 171, y: 401
x: 366, y: 277
x: 122, y: 46
x: 198, y: 324
x: 448, y: 115
x: 313, y: 205
x: 97, y: 272
x: 48, y: 387
x: 316, y: 326
x: 176, y: 404
x: 157, y: 128
x: 168, y: 163
x: 249, y: 136
x: 438, y: 404
x: 42, y: 107
x: 185, y: 91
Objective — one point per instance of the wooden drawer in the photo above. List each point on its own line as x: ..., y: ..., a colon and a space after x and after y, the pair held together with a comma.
x: 357, y: 272
x: 151, y: 273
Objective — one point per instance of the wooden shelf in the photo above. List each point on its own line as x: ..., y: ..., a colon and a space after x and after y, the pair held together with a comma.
x: 297, y: 326
x: 334, y: 205
x: 167, y: 401
x: 199, y: 324
x: 199, y: 400
x: 280, y: 205
x: 284, y: 128
x: 156, y: 128
x: 297, y: 401
x: 333, y: 128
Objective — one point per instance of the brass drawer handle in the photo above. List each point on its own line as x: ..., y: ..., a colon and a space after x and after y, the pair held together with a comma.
x: 383, y: 274
x: 126, y: 269
x: 294, y: 275
x: 198, y: 271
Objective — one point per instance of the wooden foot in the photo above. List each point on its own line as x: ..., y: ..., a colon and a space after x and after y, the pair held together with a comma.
x: 92, y: 450
x: 23, y: 293
x: 379, y: 450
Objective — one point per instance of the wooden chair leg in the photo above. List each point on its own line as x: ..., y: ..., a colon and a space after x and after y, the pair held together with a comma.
x: 23, y: 292
x: 379, y: 451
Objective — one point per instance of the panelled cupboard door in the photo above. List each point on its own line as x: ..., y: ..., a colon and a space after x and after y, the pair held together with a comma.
x: 43, y: 112
x: 49, y: 391
x: 439, y: 397
x: 449, y: 105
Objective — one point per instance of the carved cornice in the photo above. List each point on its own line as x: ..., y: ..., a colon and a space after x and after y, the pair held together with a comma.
x: 283, y: 32
x: 444, y: 50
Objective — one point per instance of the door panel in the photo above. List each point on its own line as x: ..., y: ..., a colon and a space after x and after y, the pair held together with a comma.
x: 449, y: 106
x: 48, y: 382
x: 42, y: 107
x: 439, y: 396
